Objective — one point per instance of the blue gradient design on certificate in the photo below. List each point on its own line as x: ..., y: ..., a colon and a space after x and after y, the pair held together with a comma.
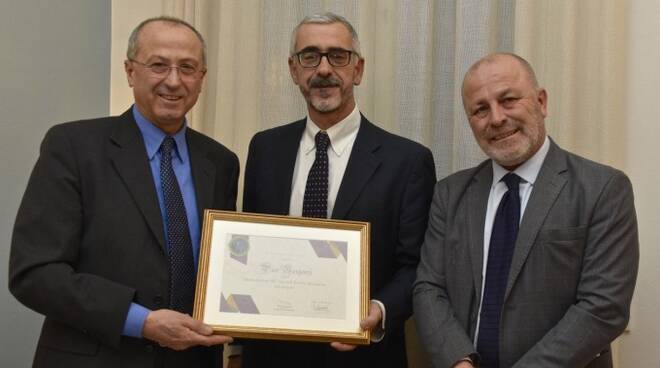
x: 237, y: 303
x: 284, y: 276
x: 329, y: 249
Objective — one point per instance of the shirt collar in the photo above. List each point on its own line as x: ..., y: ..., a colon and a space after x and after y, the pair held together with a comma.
x: 340, y: 134
x: 153, y: 137
x: 529, y: 170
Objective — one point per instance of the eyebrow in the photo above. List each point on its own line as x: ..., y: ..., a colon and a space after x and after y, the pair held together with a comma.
x: 168, y: 60
x: 498, y: 95
x: 316, y: 48
x: 505, y: 91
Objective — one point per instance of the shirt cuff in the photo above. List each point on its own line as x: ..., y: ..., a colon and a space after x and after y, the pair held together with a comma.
x: 378, y: 333
x: 135, y: 318
x: 234, y: 349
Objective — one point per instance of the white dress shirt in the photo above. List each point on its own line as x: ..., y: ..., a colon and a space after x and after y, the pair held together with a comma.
x: 528, y: 172
x: 342, y: 136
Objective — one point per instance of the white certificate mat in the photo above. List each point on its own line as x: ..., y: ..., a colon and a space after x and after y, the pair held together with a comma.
x: 278, y: 277
x: 284, y: 276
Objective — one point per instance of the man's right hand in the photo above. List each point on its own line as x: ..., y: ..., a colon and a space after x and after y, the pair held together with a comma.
x: 179, y: 331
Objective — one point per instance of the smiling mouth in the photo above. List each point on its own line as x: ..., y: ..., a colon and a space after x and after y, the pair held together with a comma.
x: 172, y: 98
x: 502, y: 136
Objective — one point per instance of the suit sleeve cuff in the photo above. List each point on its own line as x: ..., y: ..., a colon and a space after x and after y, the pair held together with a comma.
x: 135, y: 318
x: 378, y: 333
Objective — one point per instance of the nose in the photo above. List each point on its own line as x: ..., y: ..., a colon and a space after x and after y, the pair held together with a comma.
x: 497, y: 116
x: 173, y: 77
x: 324, y: 68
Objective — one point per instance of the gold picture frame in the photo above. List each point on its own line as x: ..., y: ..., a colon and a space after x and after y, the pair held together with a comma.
x: 283, y: 278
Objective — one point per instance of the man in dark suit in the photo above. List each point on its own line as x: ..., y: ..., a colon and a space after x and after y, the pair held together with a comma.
x: 536, y: 269
x: 106, y: 238
x: 371, y: 176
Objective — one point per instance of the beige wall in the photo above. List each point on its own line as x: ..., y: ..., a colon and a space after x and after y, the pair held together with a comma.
x: 53, y: 68
x: 126, y: 14
x: 639, y: 348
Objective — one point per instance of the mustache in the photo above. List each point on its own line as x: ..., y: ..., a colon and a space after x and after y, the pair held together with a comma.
x: 319, y: 82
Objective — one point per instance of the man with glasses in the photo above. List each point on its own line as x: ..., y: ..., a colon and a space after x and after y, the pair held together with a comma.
x: 106, y: 240
x: 336, y: 164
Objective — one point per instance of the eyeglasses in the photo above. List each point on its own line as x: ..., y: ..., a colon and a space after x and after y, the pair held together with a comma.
x: 336, y: 57
x: 161, y: 70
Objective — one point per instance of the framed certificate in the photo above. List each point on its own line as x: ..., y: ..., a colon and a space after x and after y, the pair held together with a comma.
x: 283, y: 278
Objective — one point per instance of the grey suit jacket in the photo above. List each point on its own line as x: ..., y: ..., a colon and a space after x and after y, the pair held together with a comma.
x: 89, y: 240
x: 572, y: 275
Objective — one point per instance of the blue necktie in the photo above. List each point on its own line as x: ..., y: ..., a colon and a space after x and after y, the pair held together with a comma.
x: 182, y: 268
x: 315, y: 202
x: 502, y: 243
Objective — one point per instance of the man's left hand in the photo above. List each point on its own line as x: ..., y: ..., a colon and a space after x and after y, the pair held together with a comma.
x: 369, y: 323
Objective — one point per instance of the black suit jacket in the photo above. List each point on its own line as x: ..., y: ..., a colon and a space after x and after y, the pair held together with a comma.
x: 89, y: 240
x: 389, y: 183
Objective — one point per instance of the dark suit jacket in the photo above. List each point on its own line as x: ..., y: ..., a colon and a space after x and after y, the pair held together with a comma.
x: 572, y: 274
x: 388, y: 182
x: 89, y: 240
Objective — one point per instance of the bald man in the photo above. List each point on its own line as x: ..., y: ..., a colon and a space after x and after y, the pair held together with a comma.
x: 530, y: 259
x: 107, y: 236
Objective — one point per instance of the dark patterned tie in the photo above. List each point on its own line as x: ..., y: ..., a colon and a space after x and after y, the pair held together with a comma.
x: 315, y: 203
x: 502, y: 243
x: 182, y: 268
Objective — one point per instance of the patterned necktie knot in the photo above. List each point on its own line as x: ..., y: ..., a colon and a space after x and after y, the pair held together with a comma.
x: 511, y: 180
x: 167, y: 146
x: 322, y: 140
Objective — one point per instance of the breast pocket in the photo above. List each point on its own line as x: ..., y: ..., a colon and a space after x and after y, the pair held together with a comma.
x: 562, y: 253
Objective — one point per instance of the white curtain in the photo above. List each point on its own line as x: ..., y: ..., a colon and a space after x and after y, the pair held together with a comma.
x: 416, y: 53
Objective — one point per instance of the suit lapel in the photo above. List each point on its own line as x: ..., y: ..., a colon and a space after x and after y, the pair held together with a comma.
x: 203, y: 172
x: 129, y: 158
x: 477, y: 196
x: 362, y: 164
x: 547, y: 187
x: 283, y: 165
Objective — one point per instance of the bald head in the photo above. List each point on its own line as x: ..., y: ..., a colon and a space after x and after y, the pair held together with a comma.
x: 524, y: 65
x: 506, y: 108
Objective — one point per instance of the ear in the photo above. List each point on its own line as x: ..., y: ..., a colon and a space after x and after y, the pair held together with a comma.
x: 128, y: 67
x: 293, y: 70
x: 359, y: 70
x: 542, y: 98
x: 201, y: 81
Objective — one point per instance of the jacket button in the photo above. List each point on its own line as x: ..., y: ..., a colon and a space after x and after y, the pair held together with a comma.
x: 149, y: 348
x: 158, y: 300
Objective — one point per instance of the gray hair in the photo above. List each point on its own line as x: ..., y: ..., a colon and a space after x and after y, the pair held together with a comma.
x: 133, y: 44
x: 527, y: 67
x: 325, y: 18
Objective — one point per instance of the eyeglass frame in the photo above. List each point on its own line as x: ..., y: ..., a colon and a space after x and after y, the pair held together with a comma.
x: 167, y: 72
x: 326, y: 55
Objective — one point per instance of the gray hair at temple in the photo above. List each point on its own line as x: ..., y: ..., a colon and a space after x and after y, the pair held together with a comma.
x: 326, y: 18
x: 133, y: 44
